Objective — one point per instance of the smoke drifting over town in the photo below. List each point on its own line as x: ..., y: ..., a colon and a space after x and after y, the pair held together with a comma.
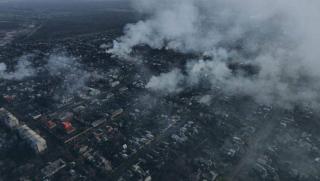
x: 75, y: 77
x: 280, y: 39
x: 22, y: 70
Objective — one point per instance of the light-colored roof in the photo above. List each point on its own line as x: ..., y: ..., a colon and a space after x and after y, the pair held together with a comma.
x: 28, y: 134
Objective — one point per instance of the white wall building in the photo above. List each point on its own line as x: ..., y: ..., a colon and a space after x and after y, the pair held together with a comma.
x: 37, y: 143
x: 8, y: 119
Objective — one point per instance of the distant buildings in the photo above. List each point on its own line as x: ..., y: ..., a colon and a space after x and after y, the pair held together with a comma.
x: 67, y: 126
x: 116, y: 113
x: 51, y: 124
x: 53, y: 167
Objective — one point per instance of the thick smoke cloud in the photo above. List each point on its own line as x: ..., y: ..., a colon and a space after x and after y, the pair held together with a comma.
x: 168, y: 82
x: 279, y: 37
x: 22, y: 70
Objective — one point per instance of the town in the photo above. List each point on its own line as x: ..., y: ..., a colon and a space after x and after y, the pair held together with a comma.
x: 75, y: 112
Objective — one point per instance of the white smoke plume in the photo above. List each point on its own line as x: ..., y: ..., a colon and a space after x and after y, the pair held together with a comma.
x: 74, y: 75
x: 167, y: 82
x: 22, y: 70
x: 280, y: 37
